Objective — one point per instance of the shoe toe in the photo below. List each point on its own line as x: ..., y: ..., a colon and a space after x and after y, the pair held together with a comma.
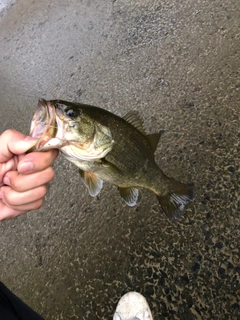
x: 132, y: 306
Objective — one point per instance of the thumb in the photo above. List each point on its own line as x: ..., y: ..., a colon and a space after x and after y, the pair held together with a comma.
x: 13, y: 142
x: 22, y: 146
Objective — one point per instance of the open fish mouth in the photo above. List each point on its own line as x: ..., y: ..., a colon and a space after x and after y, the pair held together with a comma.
x: 44, y: 126
x: 55, y: 129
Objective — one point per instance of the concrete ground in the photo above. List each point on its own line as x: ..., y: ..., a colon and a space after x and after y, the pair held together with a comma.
x: 178, y: 63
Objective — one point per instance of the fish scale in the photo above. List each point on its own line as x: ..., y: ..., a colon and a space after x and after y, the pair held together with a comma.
x: 109, y: 148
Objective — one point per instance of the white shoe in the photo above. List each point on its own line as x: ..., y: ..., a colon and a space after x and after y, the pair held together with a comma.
x: 132, y: 306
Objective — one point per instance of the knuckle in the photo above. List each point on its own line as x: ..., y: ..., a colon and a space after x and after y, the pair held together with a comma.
x: 8, y: 132
x: 37, y: 204
x: 16, y: 185
x: 50, y: 173
x: 9, y: 198
x: 42, y: 191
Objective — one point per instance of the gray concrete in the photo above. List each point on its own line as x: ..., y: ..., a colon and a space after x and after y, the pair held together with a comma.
x: 178, y: 63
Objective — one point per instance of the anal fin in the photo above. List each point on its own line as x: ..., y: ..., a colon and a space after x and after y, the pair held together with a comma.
x: 92, y: 182
x: 131, y: 195
x: 174, y: 201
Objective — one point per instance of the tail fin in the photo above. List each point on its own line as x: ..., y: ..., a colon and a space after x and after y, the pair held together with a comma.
x: 174, y: 201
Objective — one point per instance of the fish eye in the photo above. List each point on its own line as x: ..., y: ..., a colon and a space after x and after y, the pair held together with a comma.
x: 71, y: 113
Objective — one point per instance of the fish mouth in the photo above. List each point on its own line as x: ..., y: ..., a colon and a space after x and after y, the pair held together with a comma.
x: 44, y: 125
x: 54, y: 130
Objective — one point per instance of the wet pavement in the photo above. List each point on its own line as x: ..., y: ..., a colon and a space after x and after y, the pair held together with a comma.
x: 178, y: 63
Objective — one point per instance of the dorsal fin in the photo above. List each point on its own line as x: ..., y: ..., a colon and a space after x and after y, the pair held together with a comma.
x: 153, y: 139
x: 134, y: 119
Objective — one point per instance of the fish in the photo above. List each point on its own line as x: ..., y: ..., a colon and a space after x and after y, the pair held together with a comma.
x: 107, y: 147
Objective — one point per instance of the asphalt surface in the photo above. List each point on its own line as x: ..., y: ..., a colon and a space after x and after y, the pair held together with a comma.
x: 178, y: 64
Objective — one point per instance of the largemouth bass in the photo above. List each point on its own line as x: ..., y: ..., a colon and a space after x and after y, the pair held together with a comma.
x: 109, y: 148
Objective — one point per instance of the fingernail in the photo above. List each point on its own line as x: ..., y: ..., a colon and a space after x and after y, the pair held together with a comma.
x: 25, y: 167
x: 6, y: 181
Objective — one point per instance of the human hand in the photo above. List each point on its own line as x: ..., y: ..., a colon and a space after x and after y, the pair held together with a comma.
x: 23, y: 177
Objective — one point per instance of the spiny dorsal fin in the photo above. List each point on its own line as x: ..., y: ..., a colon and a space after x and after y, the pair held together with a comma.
x: 134, y: 119
x: 153, y: 139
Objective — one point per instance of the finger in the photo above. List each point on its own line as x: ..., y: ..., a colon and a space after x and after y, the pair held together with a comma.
x: 8, y: 212
x: 13, y: 142
x: 24, y: 182
x: 23, y: 208
x: 12, y: 198
x: 37, y: 161
x: 7, y: 166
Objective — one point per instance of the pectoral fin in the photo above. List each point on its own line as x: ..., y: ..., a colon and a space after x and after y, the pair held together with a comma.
x: 92, y: 182
x: 131, y: 196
